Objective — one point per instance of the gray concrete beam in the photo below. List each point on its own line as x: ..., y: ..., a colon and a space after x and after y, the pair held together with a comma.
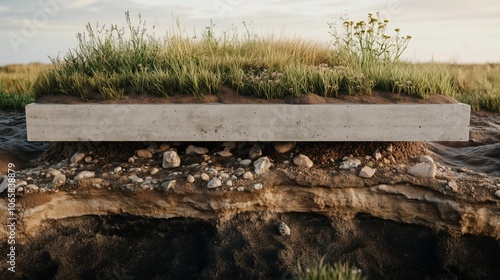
x: 247, y: 122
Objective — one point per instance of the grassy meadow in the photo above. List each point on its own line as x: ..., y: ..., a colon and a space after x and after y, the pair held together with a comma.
x: 362, y: 57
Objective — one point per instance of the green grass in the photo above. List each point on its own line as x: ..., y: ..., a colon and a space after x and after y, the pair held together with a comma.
x: 363, y: 57
x: 321, y: 270
x: 16, y: 85
x: 107, y: 60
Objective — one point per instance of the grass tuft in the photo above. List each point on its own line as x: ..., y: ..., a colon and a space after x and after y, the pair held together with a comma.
x: 321, y: 270
x: 116, y: 61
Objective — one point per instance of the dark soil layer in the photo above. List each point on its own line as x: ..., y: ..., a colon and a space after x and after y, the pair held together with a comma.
x: 247, y: 247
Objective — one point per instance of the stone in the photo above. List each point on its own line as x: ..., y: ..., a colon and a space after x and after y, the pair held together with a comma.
x: 262, y: 165
x: 303, y: 161
x: 240, y: 189
x: 5, y: 183
x: 59, y: 181
x: 164, y: 147
x: 32, y: 187
x: 377, y: 155
x: 131, y: 160
x: 246, y: 162
x: 229, y: 183
x: 350, y: 163
x: 77, y: 157
x: 425, y: 159
x: 204, y: 177
x: 225, y: 153
x: 135, y: 169
x: 190, y: 179
x: 389, y: 148
x: 171, y: 159
x: 256, y: 186
x: 193, y: 150
x: 144, y: 153
x: 283, y: 229
x: 154, y: 171
x: 167, y: 185
x: 214, y: 183
x: 283, y: 147
x: 84, y: 175
x: 497, y: 194
x: 423, y: 170
x: 367, y: 172
x: 117, y: 169
x: 248, y: 175
x: 87, y: 159
x: 255, y: 152
x: 135, y: 179
x: 21, y: 184
x: 53, y: 172
x: 229, y: 145
x: 452, y: 185
x: 224, y: 176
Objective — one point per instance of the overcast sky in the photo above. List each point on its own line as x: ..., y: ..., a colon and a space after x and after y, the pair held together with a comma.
x: 461, y: 31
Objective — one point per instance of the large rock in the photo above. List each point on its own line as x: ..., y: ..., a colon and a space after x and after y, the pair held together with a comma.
x: 214, y: 183
x: 423, y: 170
x: 143, y: 153
x: 303, y: 161
x: 59, y: 181
x: 255, y: 151
x: 350, y: 163
x: 193, y: 150
x: 84, y: 175
x: 283, y: 147
x: 262, y: 165
x: 77, y: 157
x: 367, y: 172
x: 283, y: 229
x: 171, y: 159
x: 426, y: 168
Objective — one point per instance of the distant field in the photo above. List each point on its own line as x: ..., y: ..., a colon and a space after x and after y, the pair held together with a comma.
x: 113, y: 64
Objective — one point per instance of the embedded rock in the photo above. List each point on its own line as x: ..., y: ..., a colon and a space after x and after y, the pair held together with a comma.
x: 214, y: 183
x: 143, y: 153
x: 367, y: 172
x: 303, y: 161
x: 283, y: 147
x: 262, y: 165
x: 255, y: 152
x: 84, y: 175
x: 283, y: 229
x: 193, y: 150
x: 77, y: 157
x: 171, y: 159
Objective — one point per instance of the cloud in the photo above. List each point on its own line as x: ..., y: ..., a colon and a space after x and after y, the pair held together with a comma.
x: 4, y: 9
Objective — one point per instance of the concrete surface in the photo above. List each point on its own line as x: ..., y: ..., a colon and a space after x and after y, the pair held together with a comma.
x: 247, y: 122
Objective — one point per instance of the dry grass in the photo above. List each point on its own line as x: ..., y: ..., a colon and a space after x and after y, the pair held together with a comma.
x: 109, y: 60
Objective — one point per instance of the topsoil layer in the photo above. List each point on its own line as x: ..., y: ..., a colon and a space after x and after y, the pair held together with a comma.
x: 230, y: 96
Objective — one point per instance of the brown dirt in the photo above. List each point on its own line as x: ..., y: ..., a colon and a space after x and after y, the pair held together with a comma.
x: 229, y: 96
x: 247, y: 247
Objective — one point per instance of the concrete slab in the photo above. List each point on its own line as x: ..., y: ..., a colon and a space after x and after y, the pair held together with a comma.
x: 247, y: 122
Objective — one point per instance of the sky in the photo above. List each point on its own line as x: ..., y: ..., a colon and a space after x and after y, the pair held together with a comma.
x: 458, y: 31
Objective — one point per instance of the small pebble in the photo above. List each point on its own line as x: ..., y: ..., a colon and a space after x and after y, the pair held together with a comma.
x: 204, y: 177
x: 190, y: 179
x: 248, y: 175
